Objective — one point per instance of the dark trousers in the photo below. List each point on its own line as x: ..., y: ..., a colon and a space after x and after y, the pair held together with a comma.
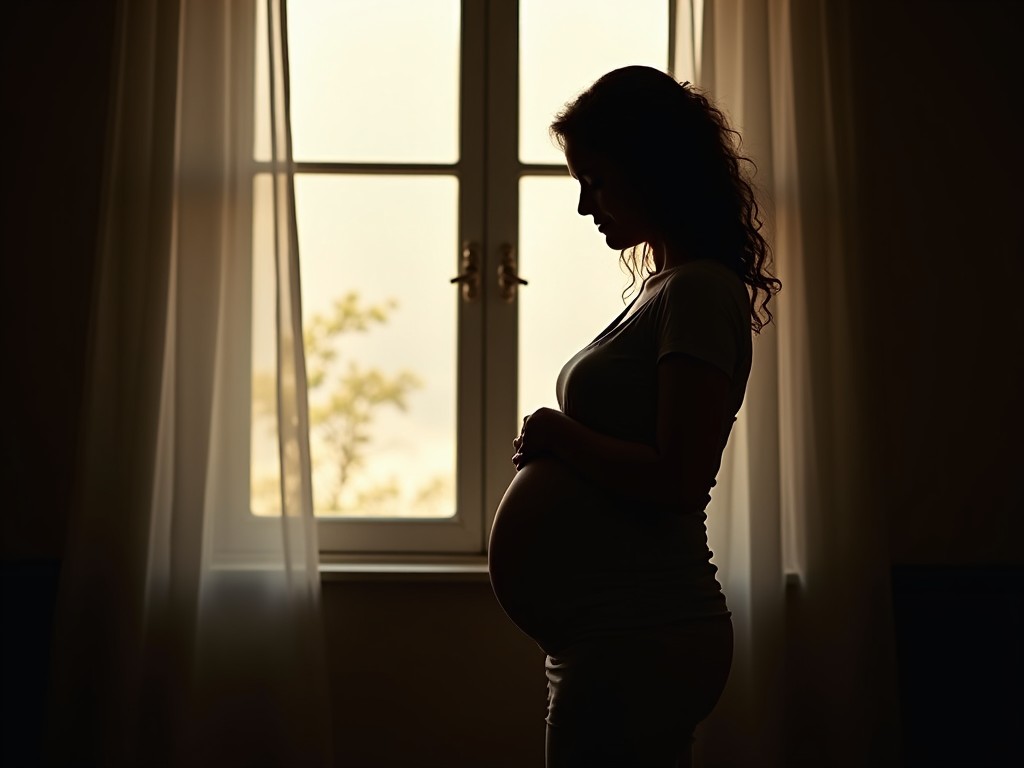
x: 633, y: 701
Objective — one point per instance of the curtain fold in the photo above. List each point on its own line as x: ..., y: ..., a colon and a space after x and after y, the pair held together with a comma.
x: 188, y: 629
x: 813, y: 682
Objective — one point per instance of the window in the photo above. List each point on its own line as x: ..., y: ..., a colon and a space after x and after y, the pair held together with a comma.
x: 420, y: 135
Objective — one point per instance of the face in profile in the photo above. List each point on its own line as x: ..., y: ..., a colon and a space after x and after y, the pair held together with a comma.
x: 607, y: 195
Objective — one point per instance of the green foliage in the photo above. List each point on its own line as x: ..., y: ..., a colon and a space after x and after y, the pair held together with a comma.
x: 346, y: 397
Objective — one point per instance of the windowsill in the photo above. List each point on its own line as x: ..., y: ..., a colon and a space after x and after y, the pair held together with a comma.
x: 381, y: 567
x: 469, y: 568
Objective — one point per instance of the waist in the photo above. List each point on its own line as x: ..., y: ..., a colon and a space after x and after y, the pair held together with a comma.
x: 612, y: 603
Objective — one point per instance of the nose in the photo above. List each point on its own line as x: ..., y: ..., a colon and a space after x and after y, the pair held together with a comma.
x: 585, y: 205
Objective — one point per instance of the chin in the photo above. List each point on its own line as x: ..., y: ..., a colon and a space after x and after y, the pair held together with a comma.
x: 621, y: 243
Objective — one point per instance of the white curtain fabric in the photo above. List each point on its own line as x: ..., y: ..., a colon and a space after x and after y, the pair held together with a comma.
x: 188, y: 630
x: 801, y: 548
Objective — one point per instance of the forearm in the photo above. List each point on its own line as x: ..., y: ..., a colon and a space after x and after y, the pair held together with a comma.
x: 625, y: 468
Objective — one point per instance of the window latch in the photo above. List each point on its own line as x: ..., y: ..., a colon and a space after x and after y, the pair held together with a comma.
x: 508, y: 274
x: 469, y: 278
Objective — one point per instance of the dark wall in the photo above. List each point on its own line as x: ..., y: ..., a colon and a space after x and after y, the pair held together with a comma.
x: 431, y: 674
x: 56, y: 73
x: 940, y: 173
x: 421, y: 669
x: 56, y: 90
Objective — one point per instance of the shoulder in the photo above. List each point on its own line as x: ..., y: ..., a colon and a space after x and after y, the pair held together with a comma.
x: 704, y: 273
x: 703, y: 285
x: 704, y: 312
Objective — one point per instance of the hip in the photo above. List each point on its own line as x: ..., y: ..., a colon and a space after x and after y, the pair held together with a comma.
x: 671, y: 674
x: 592, y: 606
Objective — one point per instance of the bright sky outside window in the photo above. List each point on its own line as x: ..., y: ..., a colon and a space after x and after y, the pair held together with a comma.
x: 374, y: 80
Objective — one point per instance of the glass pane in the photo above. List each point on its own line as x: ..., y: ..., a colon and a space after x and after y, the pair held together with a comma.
x: 379, y: 320
x: 374, y: 80
x: 575, y: 287
x: 565, y: 45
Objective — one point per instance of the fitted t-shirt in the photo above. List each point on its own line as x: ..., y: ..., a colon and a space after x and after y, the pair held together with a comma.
x: 659, y: 571
x: 701, y: 309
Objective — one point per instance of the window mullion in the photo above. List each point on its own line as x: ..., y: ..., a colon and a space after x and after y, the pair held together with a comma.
x: 502, y: 218
x: 470, y: 501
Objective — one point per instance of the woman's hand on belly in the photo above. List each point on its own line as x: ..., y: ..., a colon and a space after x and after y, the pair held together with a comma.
x: 539, y: 436
x: 677, y: 471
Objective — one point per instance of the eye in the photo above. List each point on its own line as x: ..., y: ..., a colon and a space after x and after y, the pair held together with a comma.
x: 590, y: 183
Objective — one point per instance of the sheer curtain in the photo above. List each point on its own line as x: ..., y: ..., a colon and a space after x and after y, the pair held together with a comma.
x: 802, y: 552
x: 188, y: 630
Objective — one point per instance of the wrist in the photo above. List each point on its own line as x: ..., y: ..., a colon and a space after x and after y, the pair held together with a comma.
x: 559, y: 433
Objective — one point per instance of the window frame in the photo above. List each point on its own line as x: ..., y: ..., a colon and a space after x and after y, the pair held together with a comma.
x: 463, y: 533
x: 488, y: 172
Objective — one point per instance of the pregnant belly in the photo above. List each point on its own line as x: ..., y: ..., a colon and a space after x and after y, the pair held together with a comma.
x: 550, y: 531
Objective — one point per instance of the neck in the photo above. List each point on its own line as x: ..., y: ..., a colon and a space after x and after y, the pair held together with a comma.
x: 667, y: 256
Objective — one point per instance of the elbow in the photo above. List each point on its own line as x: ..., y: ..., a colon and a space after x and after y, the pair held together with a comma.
x: 681, y: 495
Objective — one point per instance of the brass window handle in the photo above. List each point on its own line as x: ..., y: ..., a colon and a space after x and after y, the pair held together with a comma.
x: 508, y: 275
x: 469, y: 278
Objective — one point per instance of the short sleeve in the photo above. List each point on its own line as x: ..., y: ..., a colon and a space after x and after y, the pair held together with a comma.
x: 702, y: 313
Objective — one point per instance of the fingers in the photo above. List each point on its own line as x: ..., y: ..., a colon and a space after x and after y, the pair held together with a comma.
x: 518, y: 442
x: 518, y: 459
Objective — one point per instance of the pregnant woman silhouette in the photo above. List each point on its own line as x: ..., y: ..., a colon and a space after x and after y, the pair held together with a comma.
x: 599, y: 550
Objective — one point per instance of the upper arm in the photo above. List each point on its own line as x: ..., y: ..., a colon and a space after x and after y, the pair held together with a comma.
x: 693, y: 400
x: 701, y: 324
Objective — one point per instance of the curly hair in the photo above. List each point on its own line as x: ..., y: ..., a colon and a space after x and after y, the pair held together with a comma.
x: 684, y: 162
